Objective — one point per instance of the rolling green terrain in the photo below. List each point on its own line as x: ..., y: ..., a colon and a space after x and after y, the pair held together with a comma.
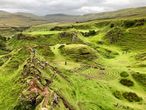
x: 94, y: 65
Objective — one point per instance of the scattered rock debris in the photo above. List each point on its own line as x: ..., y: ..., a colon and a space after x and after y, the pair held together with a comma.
x: 37, y: 94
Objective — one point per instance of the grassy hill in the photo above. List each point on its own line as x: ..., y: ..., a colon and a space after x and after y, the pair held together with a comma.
x: 93, y: 65
x: 19, y: 19
x: 124, y: 13
x: 28, y: 19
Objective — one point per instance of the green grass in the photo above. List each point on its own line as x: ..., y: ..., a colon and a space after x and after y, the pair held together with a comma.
x: 91, y: 67
x: 42, y: 32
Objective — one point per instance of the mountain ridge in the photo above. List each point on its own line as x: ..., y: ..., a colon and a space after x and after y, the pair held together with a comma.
x: 29, y: 18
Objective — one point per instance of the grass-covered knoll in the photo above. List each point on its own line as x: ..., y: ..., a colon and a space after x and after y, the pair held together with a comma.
x: 127, y: 82
x: 114, y: 35
x: 45, y: 50
x: 125, y: 33
x: 79, y: 52
x: 75, y: 66
x: 129, y: 96
x: 124, y: 74
x: 96, y: 60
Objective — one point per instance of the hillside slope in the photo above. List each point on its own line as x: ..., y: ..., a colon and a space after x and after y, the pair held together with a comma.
x: 124, y: 13
x: 98, y: 65
x: 25, y: 19
x: 17, y: 19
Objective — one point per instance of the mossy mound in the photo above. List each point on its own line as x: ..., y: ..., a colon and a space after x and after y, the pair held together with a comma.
x: 79, y: 52
x: 21, y: 36
x: 113, y: 35
x: 131, y: 23
x: 45, y: 50
x: 90, y: 33
x: 126, y: 82
x: 132, y: 97
x: 124, y: 74
x: 69, y: 37
x: 118, y: 94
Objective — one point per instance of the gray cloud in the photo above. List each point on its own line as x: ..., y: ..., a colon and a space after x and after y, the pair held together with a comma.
x: 67, y: 6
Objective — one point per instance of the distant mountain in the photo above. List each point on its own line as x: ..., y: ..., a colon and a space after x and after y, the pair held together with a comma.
x: 30, y: 15
x: 19, y: 19
x: 4, y: 13
x: 61, y: 18
x: 49, y: 15
x: 124, y: 13
x: 28, y: 19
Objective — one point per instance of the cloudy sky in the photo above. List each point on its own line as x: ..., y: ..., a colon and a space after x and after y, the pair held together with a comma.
x: 43, y: 7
